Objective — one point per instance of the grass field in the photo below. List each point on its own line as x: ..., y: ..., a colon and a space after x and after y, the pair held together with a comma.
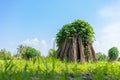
x: 54, y: 69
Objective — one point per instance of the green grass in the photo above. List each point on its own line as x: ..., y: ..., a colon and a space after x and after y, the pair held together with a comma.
x: 54, y: 69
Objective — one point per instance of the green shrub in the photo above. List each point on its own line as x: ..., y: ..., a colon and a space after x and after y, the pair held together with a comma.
x: 118, y: 59
x: 31, y: 52
x: 113, y: 53
x: 101, y: 57
x: 52, y: 53
x: 27, y: 52
x: 5, y: 55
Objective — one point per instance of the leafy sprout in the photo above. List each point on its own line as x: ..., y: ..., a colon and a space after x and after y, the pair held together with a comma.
x: 78, y: 28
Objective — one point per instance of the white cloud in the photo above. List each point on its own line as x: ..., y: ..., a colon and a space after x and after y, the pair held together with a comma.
x: 110, y: 32
x: 111, y: 11
x: 32, y: 42
x: 110, y: 36
x: 44, y: 44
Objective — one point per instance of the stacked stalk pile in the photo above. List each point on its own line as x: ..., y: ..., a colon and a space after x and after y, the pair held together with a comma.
x: 74, y: 42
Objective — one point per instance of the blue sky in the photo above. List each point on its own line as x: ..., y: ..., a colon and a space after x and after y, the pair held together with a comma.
x: 36, y: 23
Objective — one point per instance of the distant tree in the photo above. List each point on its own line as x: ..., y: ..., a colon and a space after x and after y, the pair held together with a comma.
x: 119, y: 59
x: 28, y: 52
x: 4, y: 54
x: 21, y: 51
x: 101, y: 57
x: 31, y: 52
x: 52, y: 53
x: 113, y: 53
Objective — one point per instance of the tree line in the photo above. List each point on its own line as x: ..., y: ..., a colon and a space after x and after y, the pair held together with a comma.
x: 23, y: 52
x: 28, y: 52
